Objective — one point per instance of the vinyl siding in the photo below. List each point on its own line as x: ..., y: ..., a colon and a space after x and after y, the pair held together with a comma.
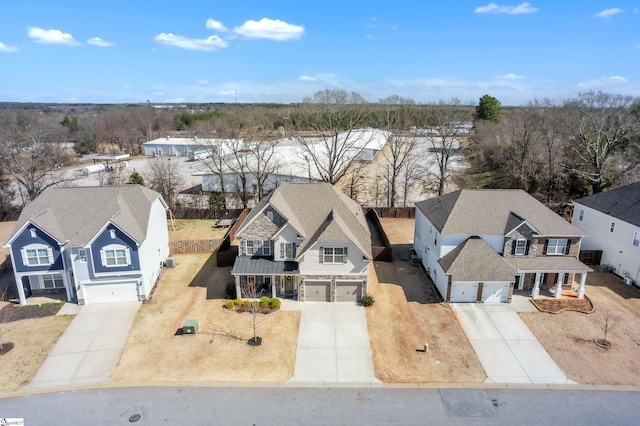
x: 312, y: 266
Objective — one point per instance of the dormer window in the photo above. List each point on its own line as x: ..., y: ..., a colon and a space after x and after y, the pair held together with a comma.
x: 520, y: 248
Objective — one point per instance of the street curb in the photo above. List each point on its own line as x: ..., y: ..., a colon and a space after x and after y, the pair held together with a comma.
x: 285, y: 385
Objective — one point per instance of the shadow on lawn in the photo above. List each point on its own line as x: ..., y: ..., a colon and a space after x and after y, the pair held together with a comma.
x: 613, y: 283
x: 212, y: 278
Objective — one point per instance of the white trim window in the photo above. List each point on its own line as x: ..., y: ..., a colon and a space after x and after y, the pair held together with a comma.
x: 520, y: 248
x: 37, y: 255
x: 250, y: 247
x: 287, y: 250
x: 266, y: 248
x: 335, y: 255
x: 115, y: 255
x: 636, y: 239
x: 52, y: 281
x: 557, y: 246
x: 82, y: 255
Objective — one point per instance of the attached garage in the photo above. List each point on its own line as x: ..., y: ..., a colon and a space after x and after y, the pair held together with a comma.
x: 495, y: 292
x: 348, y: 291
x: 317, y: 291
x: 113, y: 292
x: 463, y: 292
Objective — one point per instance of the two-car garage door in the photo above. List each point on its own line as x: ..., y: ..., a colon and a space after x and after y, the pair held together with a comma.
x: 467, y: 292
x: 320, y: 291
x: 117, y: 292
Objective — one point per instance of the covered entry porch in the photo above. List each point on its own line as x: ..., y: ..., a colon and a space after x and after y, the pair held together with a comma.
x: 550, y: 276
x: 55, y: 284
x: 271, y: 278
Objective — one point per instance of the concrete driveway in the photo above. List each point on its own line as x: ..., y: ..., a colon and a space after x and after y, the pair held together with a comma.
x: 508, y: 351
x: 89, y: 348
x: 333, y: 344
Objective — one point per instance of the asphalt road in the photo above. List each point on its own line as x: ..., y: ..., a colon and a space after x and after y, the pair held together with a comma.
x: 323, y: 406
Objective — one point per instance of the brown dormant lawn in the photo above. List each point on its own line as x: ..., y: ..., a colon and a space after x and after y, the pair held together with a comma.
x: 195, y: 229
x: 406, y: 315
x: 569, y: 336
x: 30, y: 341
x: 194, y: 289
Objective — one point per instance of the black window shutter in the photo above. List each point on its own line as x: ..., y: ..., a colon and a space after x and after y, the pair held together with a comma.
x: 321, y: 254
x: 546, y: 244
x: 344, y: 258
x: 568, y: 247
x: 526, y: 251
x: 514, y: 243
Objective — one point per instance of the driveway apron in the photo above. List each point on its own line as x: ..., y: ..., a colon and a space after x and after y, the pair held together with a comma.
x: 508, y: 351
x: 333, y: 344
x: 89, y: 348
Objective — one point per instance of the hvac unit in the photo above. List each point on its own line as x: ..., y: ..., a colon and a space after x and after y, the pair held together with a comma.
x: 415, y: 259
x: 171, y: 263
x: 628, y: 280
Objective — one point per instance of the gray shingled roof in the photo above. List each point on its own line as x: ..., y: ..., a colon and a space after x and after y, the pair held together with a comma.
x: 547, y: 263
x: 622, y: 203
x: 318, y: 211
x: 491, y: 212
x: 77, y: 214
x: 474, y: 260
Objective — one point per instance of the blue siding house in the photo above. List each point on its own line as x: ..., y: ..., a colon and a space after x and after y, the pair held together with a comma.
x: 92, y: 244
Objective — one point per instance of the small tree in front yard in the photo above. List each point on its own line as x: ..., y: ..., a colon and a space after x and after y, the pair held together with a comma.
x: 607, y: 324
x: 254, y: 307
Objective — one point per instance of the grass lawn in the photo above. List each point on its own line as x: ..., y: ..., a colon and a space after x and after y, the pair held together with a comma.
x: 28, y: 335
x: 195, y: 229
x: 194, y: 289
x: 569, y: 337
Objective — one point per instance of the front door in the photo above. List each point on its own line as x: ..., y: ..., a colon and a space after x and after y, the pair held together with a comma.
x: 288, y: 285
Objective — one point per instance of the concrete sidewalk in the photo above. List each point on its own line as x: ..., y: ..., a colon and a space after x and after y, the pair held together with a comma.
x: 89, y: 348
x: 333, y: 344
x: 506, y: 348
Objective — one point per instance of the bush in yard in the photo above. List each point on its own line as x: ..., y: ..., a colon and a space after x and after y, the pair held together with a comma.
x: 275, y: 303
x: 367, y: 300
x: 265, y: 301
x: 230, y: 304
x: 230, y: 291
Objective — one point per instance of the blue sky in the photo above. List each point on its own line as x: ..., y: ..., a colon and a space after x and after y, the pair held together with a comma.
x: 279, y: 51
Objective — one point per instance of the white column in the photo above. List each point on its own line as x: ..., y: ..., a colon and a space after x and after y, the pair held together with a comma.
x: 273, y: 286
x: 67, y: 289
x: 536, y: 285
x: 559, y: 282
x: 238, y: 292
x: 583, y: 282
x: 23, y: 299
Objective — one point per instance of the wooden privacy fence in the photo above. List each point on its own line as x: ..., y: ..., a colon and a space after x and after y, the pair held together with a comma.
x: 381, y: 253
x: 396, y: 212
x: 590, y: 257
x: 194, y: 246
x: 228, y: 257
x: 227, y: 253
x: 188, y: 213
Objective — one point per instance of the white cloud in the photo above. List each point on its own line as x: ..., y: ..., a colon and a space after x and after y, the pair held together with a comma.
x: 208, y: 44
x: 202, y: 81
x: 39, y: 35
x: 307, y: 78
x: 212, y: 24
x: 7, y: 49
x: 97, y: 41
x: 510, y: 76
x: 603, y: 81
x: 270, y: 29
x: 608, y: 13
x: 493, y: 8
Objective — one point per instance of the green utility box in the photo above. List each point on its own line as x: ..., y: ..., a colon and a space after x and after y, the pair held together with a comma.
x: 190, y: 327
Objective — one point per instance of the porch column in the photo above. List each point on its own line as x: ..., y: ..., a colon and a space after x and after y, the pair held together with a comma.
x: 583, y: 282
x: 536, y: 285
x: 23, y: 299
x: 238, y: 292
x: 559, y: 282
x: 65, y: 282
x: 273, y: 287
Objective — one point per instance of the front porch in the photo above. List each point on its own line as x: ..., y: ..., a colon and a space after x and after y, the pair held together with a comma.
x: 53, y: 287
x: 551, y: 276
x: 271, y: 278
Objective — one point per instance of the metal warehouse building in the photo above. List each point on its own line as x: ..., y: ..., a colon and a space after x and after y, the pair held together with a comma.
x: 174, y: 146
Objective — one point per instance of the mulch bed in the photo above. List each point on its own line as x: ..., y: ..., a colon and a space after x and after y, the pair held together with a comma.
x: 11, y: 313
x: 555, y: 306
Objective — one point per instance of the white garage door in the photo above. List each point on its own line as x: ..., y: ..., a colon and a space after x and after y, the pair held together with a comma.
x: 348, y: 291
x: 104, y: 293
x: 463, y: 292
x: 495, y: 292
x: 317, y: 291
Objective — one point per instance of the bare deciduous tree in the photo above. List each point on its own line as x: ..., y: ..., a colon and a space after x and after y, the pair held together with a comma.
x: 251, y: 292
x: 165, y: 178
x: 607, y: 324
